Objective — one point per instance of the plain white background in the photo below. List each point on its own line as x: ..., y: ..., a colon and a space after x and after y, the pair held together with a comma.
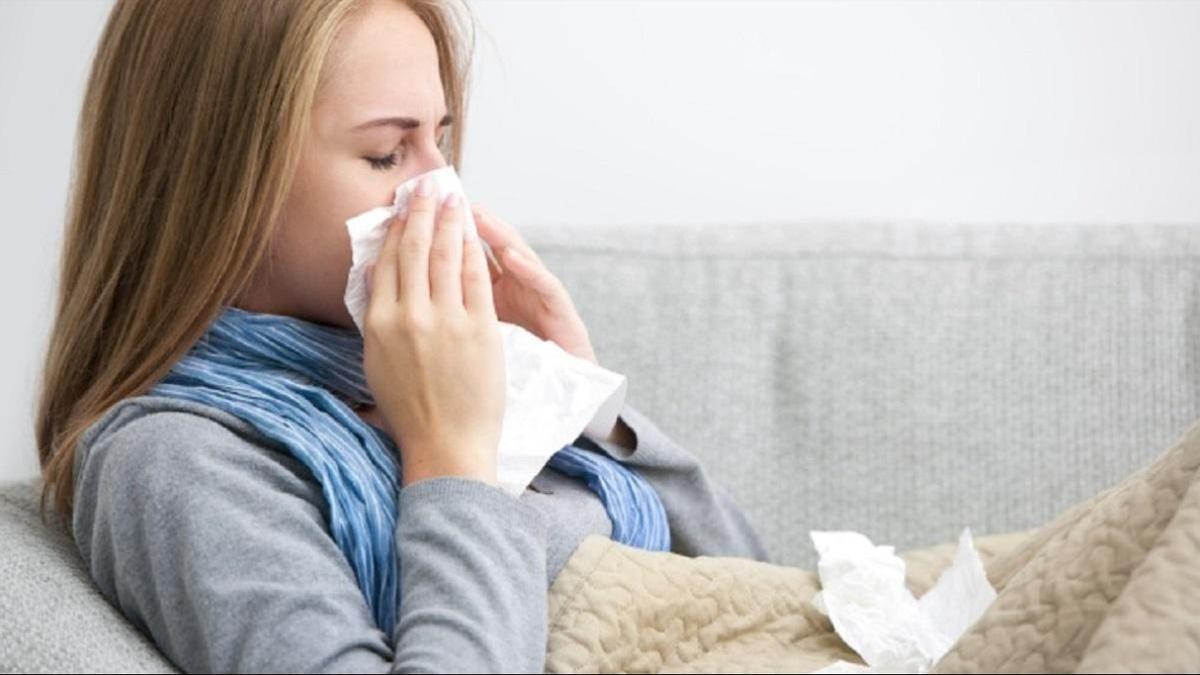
x: 731, y: 112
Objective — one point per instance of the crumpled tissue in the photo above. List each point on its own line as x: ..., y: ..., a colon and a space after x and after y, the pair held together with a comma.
x: 551, y: 395
x: 863, y: 592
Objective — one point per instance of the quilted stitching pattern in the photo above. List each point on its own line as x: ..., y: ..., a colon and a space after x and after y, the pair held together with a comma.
x: 1110, y: 585
x: 619, y: 609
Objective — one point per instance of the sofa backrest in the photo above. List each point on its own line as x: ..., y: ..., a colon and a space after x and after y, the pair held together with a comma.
x: 903, y: 380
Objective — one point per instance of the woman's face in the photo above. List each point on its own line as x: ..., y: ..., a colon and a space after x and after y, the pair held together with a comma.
x: 384, y: 67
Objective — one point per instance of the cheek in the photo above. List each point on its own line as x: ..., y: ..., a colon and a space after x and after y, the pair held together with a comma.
x: 328, y: 195
x: 344, y: 190
x: 311, y: 251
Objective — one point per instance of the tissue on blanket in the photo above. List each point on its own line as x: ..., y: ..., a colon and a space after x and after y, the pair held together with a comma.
x: 864, y: 593
x: 551, y: 396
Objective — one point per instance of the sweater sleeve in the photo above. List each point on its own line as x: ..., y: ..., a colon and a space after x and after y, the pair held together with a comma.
x: 219, y: 549
x: 702, y: 514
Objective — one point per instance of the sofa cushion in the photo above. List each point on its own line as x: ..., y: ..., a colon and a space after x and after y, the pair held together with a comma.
x: 52, y: 617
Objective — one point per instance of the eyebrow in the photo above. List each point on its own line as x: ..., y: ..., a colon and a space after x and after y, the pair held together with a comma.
x: 402, y: 122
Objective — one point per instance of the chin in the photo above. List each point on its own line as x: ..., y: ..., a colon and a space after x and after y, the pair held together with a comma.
x: 336, y: 317
x: 341, y: 319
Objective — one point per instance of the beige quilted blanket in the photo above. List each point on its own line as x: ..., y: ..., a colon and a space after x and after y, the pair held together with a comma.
x: 1111, y: 585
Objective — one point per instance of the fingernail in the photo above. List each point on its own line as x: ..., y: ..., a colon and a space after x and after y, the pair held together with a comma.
x: 452, y: 200
x: 425, y: 187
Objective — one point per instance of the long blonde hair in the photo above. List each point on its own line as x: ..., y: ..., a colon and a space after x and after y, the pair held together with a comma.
x: 190, y: 132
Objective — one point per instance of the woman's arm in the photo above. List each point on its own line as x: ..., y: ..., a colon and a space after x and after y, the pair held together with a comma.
x: 219, y: 549
x: 703, y: 515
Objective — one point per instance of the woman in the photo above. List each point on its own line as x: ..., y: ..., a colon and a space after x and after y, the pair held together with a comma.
x: 196, y: 426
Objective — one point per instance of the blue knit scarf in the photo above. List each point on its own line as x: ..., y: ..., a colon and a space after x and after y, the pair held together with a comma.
x: 295, y: 382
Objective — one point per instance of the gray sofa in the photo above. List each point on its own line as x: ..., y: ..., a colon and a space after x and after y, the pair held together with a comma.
x: 903, y: 380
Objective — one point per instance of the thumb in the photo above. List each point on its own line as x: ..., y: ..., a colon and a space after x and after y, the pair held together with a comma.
x: 518, y: 264
x: 529, y: 273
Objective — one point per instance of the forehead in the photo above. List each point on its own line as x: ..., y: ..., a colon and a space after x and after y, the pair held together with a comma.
x: 383, y: 62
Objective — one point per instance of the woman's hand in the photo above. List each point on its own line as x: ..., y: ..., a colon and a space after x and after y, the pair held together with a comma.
x: 527, y: 294
x: 433, y: 353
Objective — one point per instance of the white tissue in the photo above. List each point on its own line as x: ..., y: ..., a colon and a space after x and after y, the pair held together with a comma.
x: 863, y: 592
x: 367, y: 231
x: 551, y: 395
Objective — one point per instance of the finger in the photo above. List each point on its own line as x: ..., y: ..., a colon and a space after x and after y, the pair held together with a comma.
x: 495, y: 270
x: 445, y: 256
x: 494, y: 267
x: 533, y: 276
x: 382, y: 277
x: 414, y: 249
x: 500, y: 234
x: 477, y: 287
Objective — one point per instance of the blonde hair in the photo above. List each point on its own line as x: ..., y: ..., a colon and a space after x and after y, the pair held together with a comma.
x: 191, y: 128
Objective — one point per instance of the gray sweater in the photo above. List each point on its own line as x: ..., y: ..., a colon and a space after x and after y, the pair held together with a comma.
x: 213, y: 540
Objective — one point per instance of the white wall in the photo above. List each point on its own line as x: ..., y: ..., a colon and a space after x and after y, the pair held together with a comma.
x: 45, y: 48
x: 645, y: 112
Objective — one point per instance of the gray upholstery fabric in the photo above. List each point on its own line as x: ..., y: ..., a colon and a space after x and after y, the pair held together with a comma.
x: 53, y: 619
x: 903, y: 380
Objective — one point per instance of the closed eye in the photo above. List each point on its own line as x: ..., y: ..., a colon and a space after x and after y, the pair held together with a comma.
x: 382, y: 163
x: 388, y: 161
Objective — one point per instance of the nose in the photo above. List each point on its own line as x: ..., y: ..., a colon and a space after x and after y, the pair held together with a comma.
x: 429, y: 157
